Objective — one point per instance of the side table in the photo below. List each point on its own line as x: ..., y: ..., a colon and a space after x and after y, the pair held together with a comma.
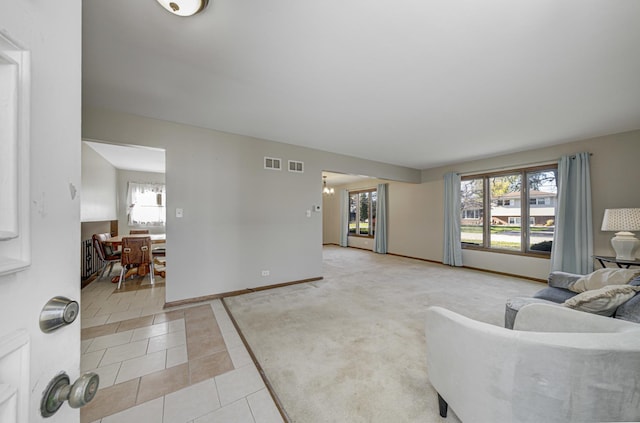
x: 623, y: 264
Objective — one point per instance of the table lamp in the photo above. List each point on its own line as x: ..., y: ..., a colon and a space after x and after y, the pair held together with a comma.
x: 623, y: 222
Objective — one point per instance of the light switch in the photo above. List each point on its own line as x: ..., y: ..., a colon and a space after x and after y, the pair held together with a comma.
x: 308, y: 213
x: 179, y: 212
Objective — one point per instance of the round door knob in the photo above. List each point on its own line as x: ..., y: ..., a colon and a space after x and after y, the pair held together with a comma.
x: 83, y: 390
x: 59, y: 390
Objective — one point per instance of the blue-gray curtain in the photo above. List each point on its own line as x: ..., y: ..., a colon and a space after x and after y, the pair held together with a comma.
x: 572, y: 248
x: 380, y: 236
x: 452, y: 247
x: 344, y: 218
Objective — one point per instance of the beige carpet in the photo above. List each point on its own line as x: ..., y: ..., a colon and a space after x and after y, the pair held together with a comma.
x: 350, y: 348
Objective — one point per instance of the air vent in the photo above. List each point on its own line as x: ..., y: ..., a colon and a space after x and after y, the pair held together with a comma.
x: 272, y: 163
x: 295, y: 166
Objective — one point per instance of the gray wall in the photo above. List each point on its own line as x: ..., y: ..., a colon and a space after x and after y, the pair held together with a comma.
x: 239, y: 219
x: 416, y: 215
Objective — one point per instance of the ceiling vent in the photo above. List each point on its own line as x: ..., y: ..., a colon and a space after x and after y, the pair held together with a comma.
x: 295, y: 166
x: 272, y: 163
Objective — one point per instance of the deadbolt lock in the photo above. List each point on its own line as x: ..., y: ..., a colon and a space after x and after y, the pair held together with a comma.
x: 59, y: 311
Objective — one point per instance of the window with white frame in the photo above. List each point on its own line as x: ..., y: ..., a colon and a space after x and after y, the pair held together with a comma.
x: 146, y: 204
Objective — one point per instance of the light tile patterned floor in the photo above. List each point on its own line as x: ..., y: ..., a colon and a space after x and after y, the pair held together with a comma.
x: 180, y: 365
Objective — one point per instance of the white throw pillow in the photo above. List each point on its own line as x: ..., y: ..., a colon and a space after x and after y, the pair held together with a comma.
x: 604, y: 277
x: 603, y: 301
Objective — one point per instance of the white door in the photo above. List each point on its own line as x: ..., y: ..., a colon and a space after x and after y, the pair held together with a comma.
x: 42, y: 260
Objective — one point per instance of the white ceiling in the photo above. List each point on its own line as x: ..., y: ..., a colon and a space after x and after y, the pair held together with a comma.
x: 419, y: 83
x: 131, y: 157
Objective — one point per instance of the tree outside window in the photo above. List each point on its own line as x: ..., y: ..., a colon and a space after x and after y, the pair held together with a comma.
x: 362, y: 212
x: 519, y: 206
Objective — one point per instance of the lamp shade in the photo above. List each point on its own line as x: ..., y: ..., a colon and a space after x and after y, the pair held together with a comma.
x: 625, y: 220
x: 184, y: 7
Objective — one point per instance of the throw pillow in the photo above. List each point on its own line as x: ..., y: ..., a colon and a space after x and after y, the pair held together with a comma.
x: 604, y: 277
x: 603, y: 301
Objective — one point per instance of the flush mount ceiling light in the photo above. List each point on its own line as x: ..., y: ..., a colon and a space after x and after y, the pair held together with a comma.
x: 184, y: 7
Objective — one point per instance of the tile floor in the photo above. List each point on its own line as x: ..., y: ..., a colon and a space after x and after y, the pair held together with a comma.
x: 180, y: 365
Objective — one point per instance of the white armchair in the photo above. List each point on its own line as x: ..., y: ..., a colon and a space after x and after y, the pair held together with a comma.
x: 557, y: 365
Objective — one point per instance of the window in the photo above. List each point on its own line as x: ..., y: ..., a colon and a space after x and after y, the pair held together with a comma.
x: 471, y: 214
x: 362, y: 212
x: 516, y: 221
x: 146, y: 204
x: 508, y: 199
x: 539, y: 201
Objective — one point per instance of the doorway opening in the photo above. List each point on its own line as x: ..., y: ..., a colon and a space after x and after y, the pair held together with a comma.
x: 123, y: 192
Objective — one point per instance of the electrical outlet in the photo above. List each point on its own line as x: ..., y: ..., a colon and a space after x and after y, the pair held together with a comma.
x: 265, y: 273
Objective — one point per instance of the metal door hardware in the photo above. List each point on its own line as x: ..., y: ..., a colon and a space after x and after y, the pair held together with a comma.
x: 59, y: 390
x: 59, y: 311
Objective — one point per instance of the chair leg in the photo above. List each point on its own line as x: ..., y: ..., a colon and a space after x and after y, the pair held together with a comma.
x: 121, y: 276
x: 443, y: 406
x: 110, y: 268
x: 151, y: 272
x: 102, y: 270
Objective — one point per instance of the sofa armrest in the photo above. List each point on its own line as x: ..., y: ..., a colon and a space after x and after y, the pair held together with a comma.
x: 490, y: 374
x: 539, y: 317
x: 558, y: 279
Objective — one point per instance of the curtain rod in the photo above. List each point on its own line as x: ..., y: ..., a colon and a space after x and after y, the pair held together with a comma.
x: 517, y: 166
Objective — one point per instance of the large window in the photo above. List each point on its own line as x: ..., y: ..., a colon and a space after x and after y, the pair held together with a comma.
x: 510, y: 211
x: 362, y: 212
x: 146, y: 204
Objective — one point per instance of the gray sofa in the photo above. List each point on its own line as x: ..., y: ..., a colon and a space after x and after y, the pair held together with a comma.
x: 557, y: 292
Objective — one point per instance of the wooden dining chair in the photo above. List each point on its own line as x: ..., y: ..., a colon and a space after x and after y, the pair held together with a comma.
x: 136, y: 252
x: 105, y: 252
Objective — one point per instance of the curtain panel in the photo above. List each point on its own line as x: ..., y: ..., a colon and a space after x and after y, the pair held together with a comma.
x: 380, y: 236
x: 572, y: 248
x: 452, y: 249
x: 344, y: 218
x: 146, y: 203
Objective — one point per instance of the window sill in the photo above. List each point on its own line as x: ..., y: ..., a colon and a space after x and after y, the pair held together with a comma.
x: 509, y: 252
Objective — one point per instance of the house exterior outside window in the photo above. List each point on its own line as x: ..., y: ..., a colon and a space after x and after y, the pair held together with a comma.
x: 510, y: 211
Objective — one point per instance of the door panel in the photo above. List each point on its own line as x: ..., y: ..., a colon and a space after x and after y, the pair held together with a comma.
x: 48, y: 203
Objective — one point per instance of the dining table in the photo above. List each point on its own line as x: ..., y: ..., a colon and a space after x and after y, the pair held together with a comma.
x: 116, y: 242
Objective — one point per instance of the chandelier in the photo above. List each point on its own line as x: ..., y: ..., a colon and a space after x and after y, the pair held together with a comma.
x: 326, y: 190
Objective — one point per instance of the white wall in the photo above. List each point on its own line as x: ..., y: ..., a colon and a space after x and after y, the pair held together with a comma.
x: 239, y: 218
x: 98, y: 192
x: 123, y: 178
x: 51, y: 31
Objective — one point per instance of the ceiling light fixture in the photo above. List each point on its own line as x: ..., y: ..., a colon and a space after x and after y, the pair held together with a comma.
x: 184, y: 7
x: 326, y: 190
